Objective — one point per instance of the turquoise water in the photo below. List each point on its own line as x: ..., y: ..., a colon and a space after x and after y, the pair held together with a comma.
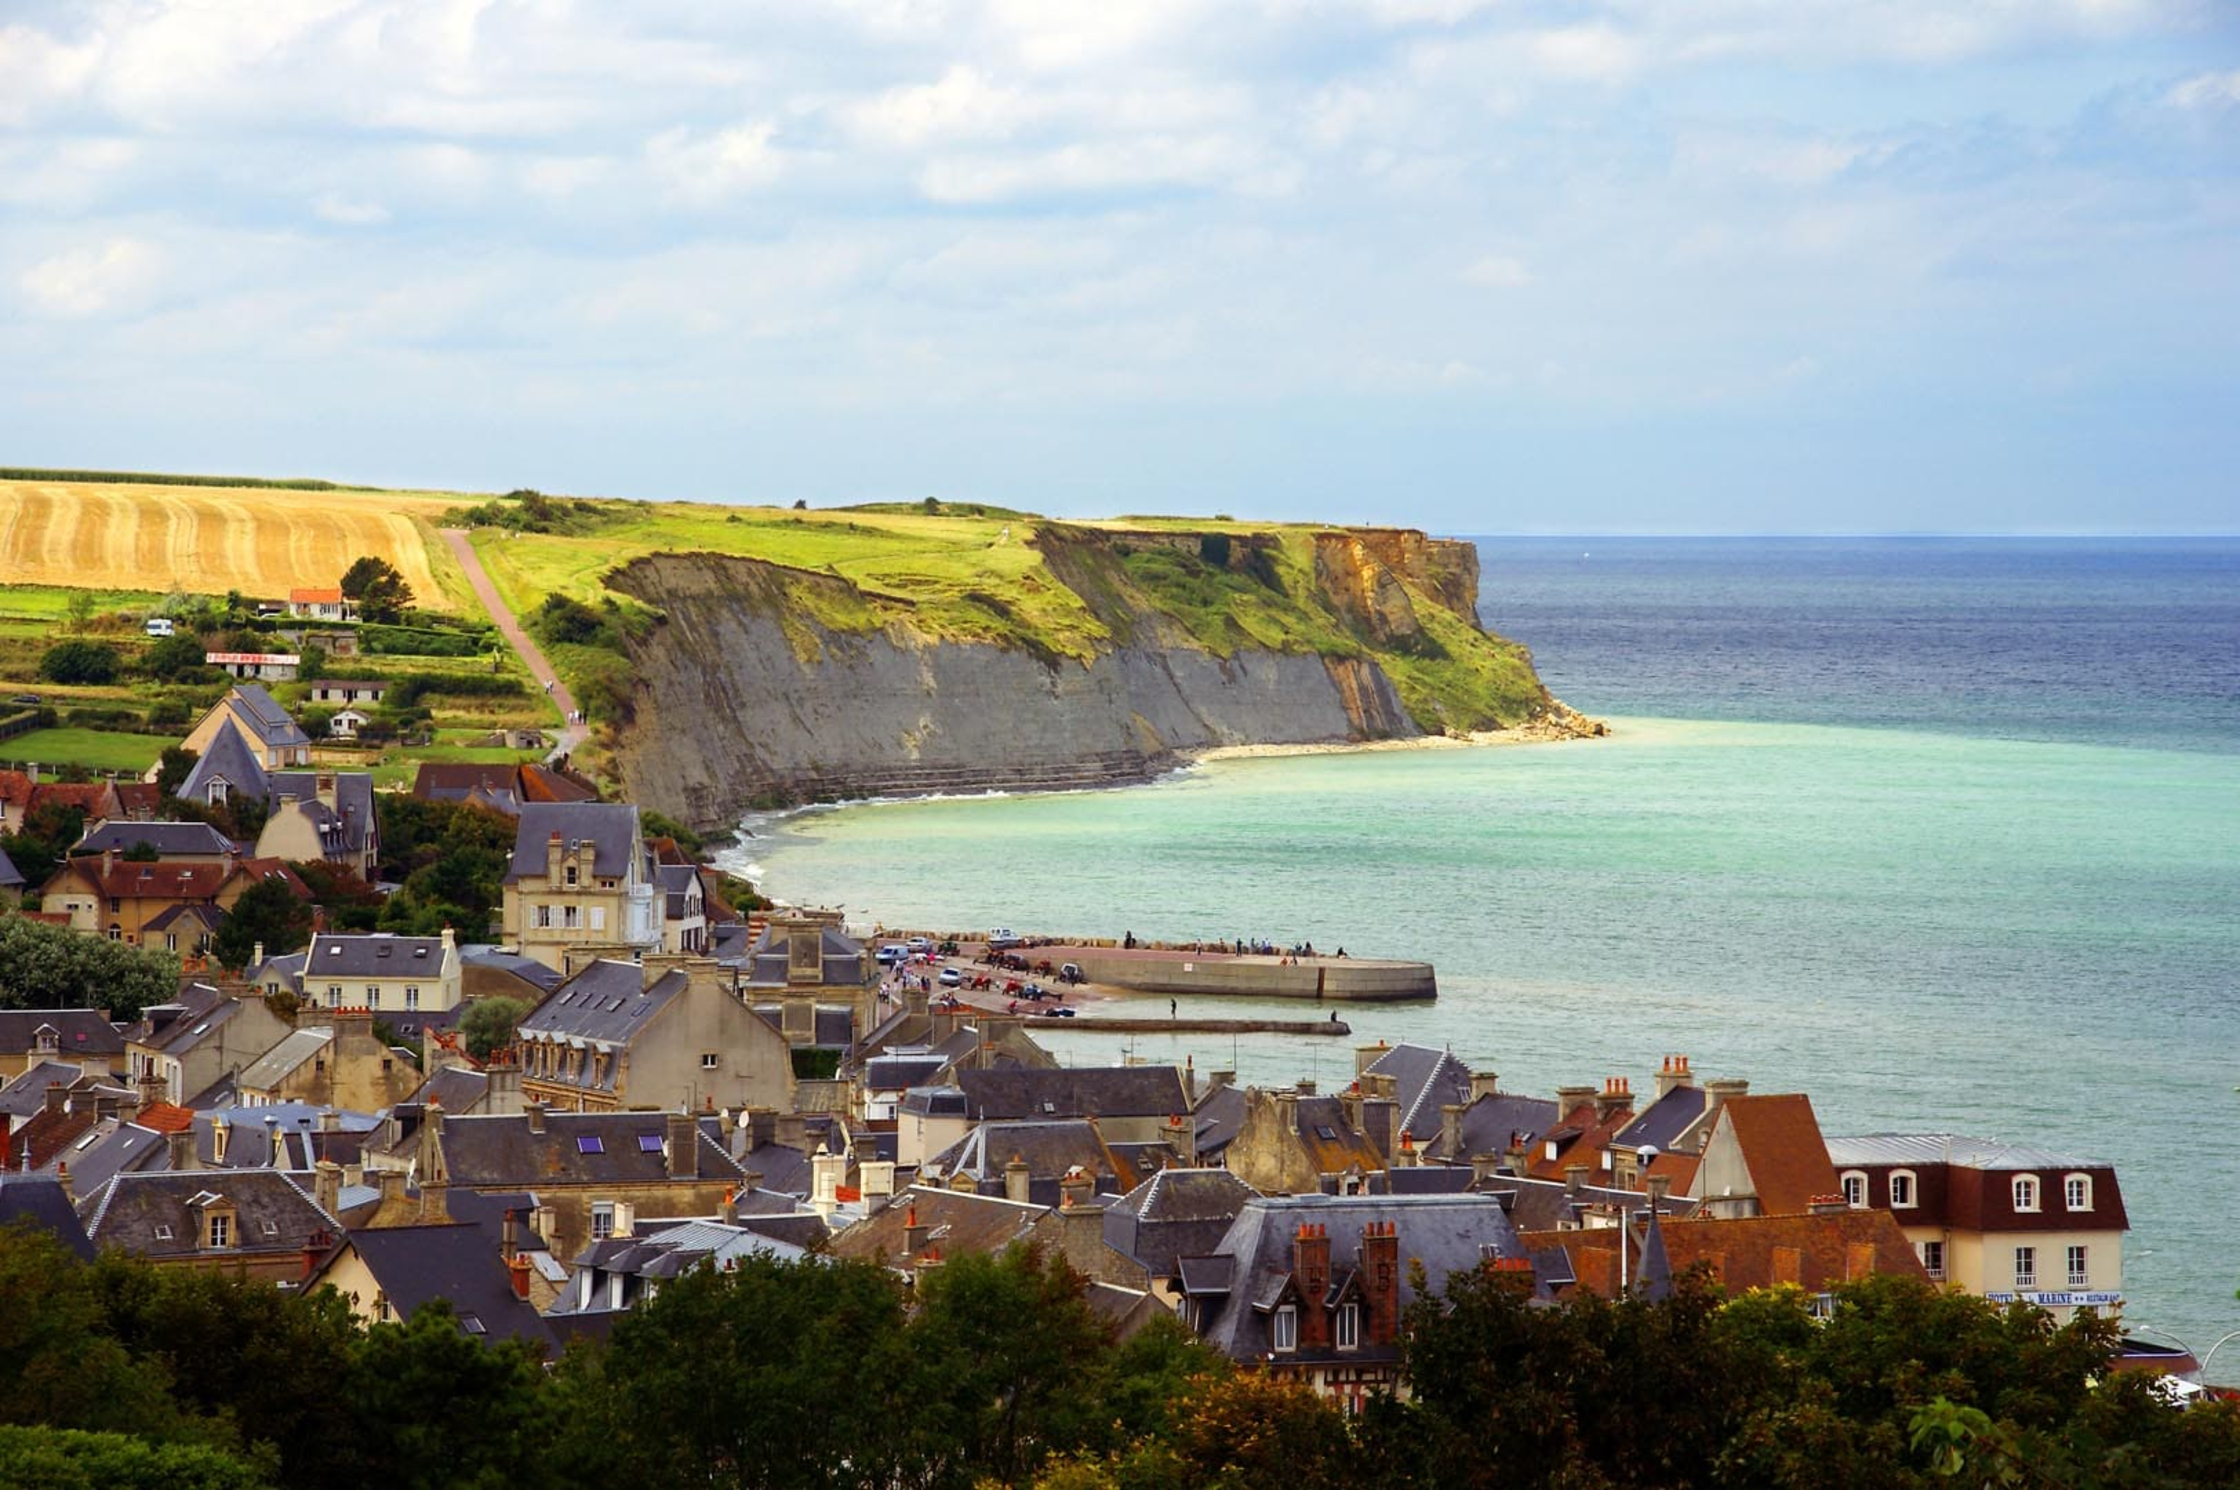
x: 2026, y: 940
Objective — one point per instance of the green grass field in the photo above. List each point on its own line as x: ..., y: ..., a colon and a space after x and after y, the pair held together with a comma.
x: 100, y: 750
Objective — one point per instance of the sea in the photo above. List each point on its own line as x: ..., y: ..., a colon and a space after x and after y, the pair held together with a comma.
x: 1944, y: 832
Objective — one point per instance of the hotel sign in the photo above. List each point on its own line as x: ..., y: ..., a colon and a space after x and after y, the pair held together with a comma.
x: 253, y: 659
x: 2060, y: 1300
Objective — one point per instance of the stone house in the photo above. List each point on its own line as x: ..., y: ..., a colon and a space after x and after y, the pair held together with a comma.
x: 1294, y: 1139
x: 819, y: 981
x: 668, y: 1033
x: 380, y: 971
x: 581, y: 885
x: 333, y: 1059
x: 204, y: 1037
x: 1132, y: 1104
x: 323, y: 815
x: 79, y: 1037
x: 106, y: 895
x: 368, y: 691
x: 253, y: 1223
x: 272, y: 737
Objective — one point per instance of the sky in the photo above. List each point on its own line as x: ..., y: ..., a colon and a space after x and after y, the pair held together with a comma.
x: 1482, y: 266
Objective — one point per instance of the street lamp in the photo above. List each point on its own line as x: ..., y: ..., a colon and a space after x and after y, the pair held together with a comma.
x: 2201, y: 1359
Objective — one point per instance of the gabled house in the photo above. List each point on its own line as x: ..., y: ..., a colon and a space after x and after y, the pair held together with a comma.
x: 377, y: 970
x: 1293, y: 1139
x: 581, y: 885
x: 349, y: 690
x: 203, y: 1037
x: 501, y: 788
x: 274, y: 740
x: 1764, y: 1157
x: 321, y: 603
x: 255, y: 1223
x: 332, y: 1059
x: 1176, y: 1213
x: 668, y: 1033
x: 1132, y: 1104
x: 1312, y: 1288
x: 684, y: 926
x: 105, y: 895
x: 323, y: 815
x: 818, y: 981
x: 926, y: 1225
x: 486, y: 1262
x: 172, y: 843
x: 2003, y: 1220
x: 229, y: 766
x: 1030, y: 1161
x: 614, y: 1276
x: 76, y: 1036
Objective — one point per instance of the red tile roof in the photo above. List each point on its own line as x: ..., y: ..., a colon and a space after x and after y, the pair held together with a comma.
x: 1781, y: 1144
x: 1813, y: 1252
x: 164, y: 1117
x: 315, y: 595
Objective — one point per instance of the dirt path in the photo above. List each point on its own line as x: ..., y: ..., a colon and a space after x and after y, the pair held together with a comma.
x: 571, y: 733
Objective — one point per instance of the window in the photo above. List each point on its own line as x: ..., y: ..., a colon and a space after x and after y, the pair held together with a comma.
x: 541, y: 915
x: 221, y: 1230
x: 2076, y: 1192
x: 2025, y: 1192
x: 2080, y: 1269
x: 571, y: 876
x: 1349, y: 1326
x: 709, y: 1060
x: 411, y: 996
x: 163, y: 1233
x: 334, y: 995
x: 567, y: 916
x: 1901, y: 1189
x: 2026, y: 1267
x: 598, y: 918
x: 602, y: 1221
x: 373, y: 995
x: 1855, y: 1189
x: 589, y: 1143
x: 1932, y: 1259
x: 1286, y: 1330
x: 649, y: 1143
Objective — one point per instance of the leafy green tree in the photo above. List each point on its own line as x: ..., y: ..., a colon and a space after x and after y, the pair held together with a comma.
x: 268, y: 912
x: 427, y: 1406
x: 53, y: 967
x: 175, y: 659
x: 38, y: 847
x: 378, y: 588
x: 79, y: 662
x: 141, y: 852
x: 350, y: 903
x: 78, y: 608
x: 63, y: 1370
x: 488, y: 1024
x: 173, y: 767
x: 72, y: 1459
x: 740, y: 1378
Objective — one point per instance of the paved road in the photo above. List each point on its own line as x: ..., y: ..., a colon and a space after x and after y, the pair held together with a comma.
x: 571, y: 735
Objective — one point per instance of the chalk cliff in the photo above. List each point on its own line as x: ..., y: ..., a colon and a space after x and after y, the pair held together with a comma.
x: 763, y: 684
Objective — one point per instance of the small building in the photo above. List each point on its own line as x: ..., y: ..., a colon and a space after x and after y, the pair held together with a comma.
x: 104, y: 895
x: 581, y: 885
x: 205, y: 1036
x: 669, y: 1033
x: 1131, y: 1104
x: 332, y: 1059
x: 1764, y: 1157
x: 1294, y: 1139
x: 346, y: 722
x: 252, y: 1223
x: 376, y: 970
x: 325, y: 815
x: 175, y: 843
x: 804, y: 966
x: 348, y: 690
x: 2003, y: 1220
x: 321, y: 603
x: 500, y: 788
x: 269, y: 667
x: 272, y: 738
x: 78, y: 1037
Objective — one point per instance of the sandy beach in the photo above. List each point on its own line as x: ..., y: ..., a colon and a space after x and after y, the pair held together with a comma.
x: 1564, y: 724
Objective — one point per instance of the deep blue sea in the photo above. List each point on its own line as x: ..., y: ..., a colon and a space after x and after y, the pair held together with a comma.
x: 1945, y: 832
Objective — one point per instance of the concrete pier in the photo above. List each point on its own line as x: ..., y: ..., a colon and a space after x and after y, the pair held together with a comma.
x: 1227, y: 975
x: 1193, y: 1026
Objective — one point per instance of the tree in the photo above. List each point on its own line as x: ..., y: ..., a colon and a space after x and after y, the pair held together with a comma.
x: 489, y: 1023
x: 350, y: 903
x: 429, y: 1407
x: 268, y: 912
x: 378, y: 587
x: 38, y: 847
x: 79, y: 662
x: 173, y: 767
x: 177, y: 658
x: 72, y: 1459
x: 53, y: 967
x: 78, y: 607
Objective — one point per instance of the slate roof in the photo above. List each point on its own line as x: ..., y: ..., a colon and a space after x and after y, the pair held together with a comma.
x: 463, y: 1263
x: 26, y: 1092
x: 1446, y: 1233
x: 229, y: 758
x: 1174, y: 1214
x: 957, y: 1222
x: 611, y: 828
x: 284, y: 1059
x: 1546, y: 1205
x: 845, y: 961
x: 1489, y: 1123
x: 272, y: 724
x: 1781, y: 1143
x: 11, y: 878
x: 80, y: 1034
x: 1666, y: 1118
x: 443, y: 781
x: 1217, y: 1120
x: 373, y: 954
x: 342, y: 827
x: 677, y: 882
x: 1424, y: 1080
x: 456, y: 1089
x: 205, y: 919
x: 486, y: 1151
x: 1048, y: 1148
x: 41, y: 1202
x: 780, y: 1167
x: 1331, y: 1143
x: 606, y: 1005
x: 526, y: 968
x: 1082, y: 1091
x: 169, y: 839
x: 898, y: 1073
x: 1950, y: 1148
x: 934, y: 1101
x: 274, y: 1213
x: 199, y: 1010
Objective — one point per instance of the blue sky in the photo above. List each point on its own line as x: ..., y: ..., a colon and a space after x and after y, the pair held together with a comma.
x: 1734, y: 265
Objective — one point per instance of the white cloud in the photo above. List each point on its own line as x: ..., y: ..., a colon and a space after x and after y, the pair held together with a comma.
x: 2210, y: 90
x: 705, y: 168
x: 348, y: 212
x: 1498, y: 272
x: 963, y: 105
x: 88, y: 281
x: 1595, y: 53
x: 35, y: 69
x: 1104, y: 166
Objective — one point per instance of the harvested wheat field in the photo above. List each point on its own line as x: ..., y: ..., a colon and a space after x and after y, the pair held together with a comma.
x: 210, y: 539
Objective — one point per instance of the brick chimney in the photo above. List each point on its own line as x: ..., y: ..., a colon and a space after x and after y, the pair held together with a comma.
x: 1076, y: 1188
x: 1015, y: 1179
x: 1380, y: 1279
x: 534, y: 1112
x: 1826, y: 1205
x: 1365, y: 1056
x: 682, y: 1145
x: 1406, y: 1157
x: 1674, y: 1074
x: 1570, y: 1099
x: 181, y: 1145
x: 914, y: 1232
x: 1181, y: 1137
x: 1616, y: 1099
x: 727, y: 1210
x: 1310, y: 1270
x: 517, y: 1271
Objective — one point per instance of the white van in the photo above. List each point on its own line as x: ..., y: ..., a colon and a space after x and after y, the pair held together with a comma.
x: 159, y: 626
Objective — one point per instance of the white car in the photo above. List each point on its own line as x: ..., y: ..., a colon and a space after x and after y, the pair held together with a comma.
x: 951, y: 977
x: 159, y: 626
x: 1003, y: 939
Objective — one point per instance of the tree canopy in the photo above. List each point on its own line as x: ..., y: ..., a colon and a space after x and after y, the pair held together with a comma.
x: 268, y: 912
x: 378, y: 588
x: 53, y: 967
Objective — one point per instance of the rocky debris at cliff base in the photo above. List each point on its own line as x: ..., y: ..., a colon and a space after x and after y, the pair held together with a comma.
x: 1559, y: 721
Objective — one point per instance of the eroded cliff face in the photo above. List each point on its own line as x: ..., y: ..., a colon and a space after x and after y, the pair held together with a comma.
x: 745, y: 697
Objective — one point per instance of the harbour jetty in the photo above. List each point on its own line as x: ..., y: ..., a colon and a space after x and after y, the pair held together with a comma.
x: 1204, y: 1027
x: 1201, y: 973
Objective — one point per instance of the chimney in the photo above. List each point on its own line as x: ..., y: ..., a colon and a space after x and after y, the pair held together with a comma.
x: 57, y: 1098
x: 435, y: 1175
x: 1365, y: 1056
x: 914, y: 1233
x: 1222, y: 1078
x: 1287, y: 1109
x: 256, y: 957
x: 181, y: 1145
x: 1181, y: 1136
x: 517, y: 1269
x: 1659, y: 1186
x: 1519, y: 1159
x: 682, y: 1146
x: 1484, y: 1084
x: 353, y: 1174
x: 1305, y: 1087
x: 1380, y: 1277
x: 1574, y: 1178
x: 62, y: 1178
x: 1076, y: 1188
x: 761, y: 1124
x: 1570, y: 1099
x: 1616, y: 1099
x: 1015, y: 1180
x: 1482, y: 1167
x: 1380, y: 1124
x: 1450, y: 1128
x: 1826, y: 1205
x: 1310, y: 1269
x: 1718, y: 1093
x: 1406, y: 1156
x: 825, y: 1170
x: 502, y: 1098
x: 450, y: 941
x: 1674, y: 1074
x: 534, y: 1112
x: 276, y: 1141
x: 728, y: 1211
x: 326, y: 1186
x: 1349, y: 1103
x: 221, y: 1132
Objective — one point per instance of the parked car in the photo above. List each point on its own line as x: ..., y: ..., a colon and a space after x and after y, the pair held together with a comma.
x: 1004, y: 938
x: 1035, y: 991
x: 1071, y: 973
x: 920, y: 944
x: 893, y: 953
x: 26, y: 698
x: 951, y: 977
x: 158, y: 626
x: 1057, y: 1011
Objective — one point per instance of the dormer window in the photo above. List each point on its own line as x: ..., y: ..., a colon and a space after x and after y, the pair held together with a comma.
x: 1283, y: 1332
x: 220, y: 1229
x: 2025, y: 1192
x: 2076, y: 1192
x: 571, y: 877
x: 1349, y: 1327
x: 1855, y: 1189
x: 1902, y: 1190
